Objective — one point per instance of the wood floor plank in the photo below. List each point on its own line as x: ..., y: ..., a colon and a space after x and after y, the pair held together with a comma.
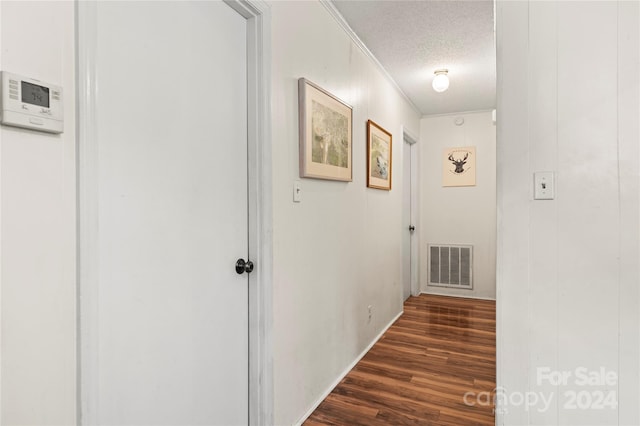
x: 421, y: 368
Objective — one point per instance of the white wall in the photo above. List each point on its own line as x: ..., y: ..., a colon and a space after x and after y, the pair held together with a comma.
x: 340, y: 249
x: 37, y: 190
x: 568, y: 275
x: 329, y: 264
x: 459, y: 215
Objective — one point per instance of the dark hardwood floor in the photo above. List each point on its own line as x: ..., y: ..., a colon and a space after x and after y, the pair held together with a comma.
x: 438, y: 351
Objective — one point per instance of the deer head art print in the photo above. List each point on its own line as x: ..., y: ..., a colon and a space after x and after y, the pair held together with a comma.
x: 459, y: 163
x: 459, y: 166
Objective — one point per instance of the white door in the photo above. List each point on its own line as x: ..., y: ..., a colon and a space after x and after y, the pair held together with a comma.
x: 409, y: 202
x: 168, y: 329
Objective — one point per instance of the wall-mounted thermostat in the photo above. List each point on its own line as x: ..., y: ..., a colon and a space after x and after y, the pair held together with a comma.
x: 31, y: 104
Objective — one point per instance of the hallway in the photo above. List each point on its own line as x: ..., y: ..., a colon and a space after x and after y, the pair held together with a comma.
x: 434, y: 366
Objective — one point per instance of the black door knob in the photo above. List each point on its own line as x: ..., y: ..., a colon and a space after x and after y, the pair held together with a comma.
x: 243, y: 266
x: 412, y: 228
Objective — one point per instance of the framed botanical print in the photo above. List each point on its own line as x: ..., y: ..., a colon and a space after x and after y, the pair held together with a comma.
x: 379, y: 159
x: 325, y: 125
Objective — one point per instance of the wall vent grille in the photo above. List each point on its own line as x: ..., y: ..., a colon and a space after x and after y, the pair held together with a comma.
x: 451, y: 266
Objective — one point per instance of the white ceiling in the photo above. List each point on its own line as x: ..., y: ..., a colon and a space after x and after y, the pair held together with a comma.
x: 412, y: 39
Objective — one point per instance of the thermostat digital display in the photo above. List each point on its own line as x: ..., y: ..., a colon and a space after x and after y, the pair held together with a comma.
x: 34, y: 94
x: 30, y: 104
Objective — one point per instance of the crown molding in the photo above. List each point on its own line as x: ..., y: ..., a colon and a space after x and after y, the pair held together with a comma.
x: 453, y: 114
x: 331, y: 8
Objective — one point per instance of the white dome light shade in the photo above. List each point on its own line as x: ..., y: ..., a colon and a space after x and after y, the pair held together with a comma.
x: 440, y: 81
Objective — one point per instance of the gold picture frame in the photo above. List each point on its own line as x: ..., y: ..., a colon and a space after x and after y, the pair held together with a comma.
x: 325, y: 126
x: 379, y: 157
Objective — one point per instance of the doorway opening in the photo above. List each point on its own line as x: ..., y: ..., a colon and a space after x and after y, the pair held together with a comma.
x: 410, y: 285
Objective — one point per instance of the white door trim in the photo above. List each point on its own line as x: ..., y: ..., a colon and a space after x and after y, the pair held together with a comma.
x: 87, y: 222
x: 412, y: 141
x: 260, y: 395
x: 258, y: 17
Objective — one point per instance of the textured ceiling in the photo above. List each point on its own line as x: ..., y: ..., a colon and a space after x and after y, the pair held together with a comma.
x: 412, y: 39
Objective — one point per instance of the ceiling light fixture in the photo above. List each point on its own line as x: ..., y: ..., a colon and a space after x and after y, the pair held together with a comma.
x: 440, y: 81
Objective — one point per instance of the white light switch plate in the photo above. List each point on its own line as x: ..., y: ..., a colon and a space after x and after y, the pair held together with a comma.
x: 297, y: 191
x: 544, y: 186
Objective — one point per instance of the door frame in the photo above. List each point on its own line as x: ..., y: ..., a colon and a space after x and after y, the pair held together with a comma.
x: 257, y: 14
x: 412, y: 141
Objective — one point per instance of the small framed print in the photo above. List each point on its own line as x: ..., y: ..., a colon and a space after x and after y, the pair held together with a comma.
x: 459, y: 166
x: 379, y: 159
x: 325, y: 124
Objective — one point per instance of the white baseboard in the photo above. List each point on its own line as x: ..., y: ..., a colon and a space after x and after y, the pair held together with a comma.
x: 345, y: 372
x: 458, y: 295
